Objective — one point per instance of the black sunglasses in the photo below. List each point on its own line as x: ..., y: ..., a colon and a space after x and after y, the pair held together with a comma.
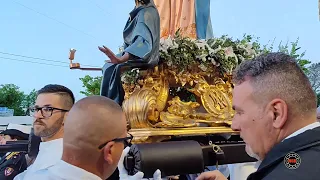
x: 126, y: 141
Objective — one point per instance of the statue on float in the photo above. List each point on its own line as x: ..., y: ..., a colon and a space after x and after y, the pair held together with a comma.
x: 173, y: 77
x: 141, y: 36
x: 191, y: 17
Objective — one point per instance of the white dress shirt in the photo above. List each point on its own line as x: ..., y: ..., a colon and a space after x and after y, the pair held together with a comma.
x: 64, y: 171
x: 49, y: 154
x: 302, y: 130
x: 241, y: 171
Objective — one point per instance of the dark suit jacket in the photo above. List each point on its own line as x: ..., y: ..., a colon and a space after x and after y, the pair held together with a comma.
x: 12, y: 164
x: 296, y: 158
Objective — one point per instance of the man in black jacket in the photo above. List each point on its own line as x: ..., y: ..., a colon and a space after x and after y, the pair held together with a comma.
x: 13, y: 163
x: 275, y: 112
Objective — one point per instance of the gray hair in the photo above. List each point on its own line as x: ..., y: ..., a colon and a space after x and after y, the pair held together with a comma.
x: 278, y: 75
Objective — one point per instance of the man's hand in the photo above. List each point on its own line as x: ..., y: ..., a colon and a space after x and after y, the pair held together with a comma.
x: 211, y: 175
x: 113, y: 58
x: 123, y: 174
x: 3, y: 141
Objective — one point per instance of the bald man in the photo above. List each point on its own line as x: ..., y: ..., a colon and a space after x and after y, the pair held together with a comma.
x: 94, y: 138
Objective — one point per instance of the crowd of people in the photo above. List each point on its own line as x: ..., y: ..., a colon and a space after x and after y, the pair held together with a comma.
x: 88, y: 139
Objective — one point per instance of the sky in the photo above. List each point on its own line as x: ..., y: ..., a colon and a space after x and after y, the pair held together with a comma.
x: 48, y: 29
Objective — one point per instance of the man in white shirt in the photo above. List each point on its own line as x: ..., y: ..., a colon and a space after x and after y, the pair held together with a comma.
x: 95, y: 134
x: 275, y: 112
x: 51, y: 108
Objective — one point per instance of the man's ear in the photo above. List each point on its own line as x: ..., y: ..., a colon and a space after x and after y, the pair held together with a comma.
x: 107, y: 152
x: 64, y: 117
x: 279, y: 112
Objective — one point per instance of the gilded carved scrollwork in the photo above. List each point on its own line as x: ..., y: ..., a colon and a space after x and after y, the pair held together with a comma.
x: 214, y: 98
x: 149, y: 105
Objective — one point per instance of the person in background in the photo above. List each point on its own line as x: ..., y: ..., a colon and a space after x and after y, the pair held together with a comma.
x: 95, y: 134
x: 279, y: 128
x: 141, y: 37
x: 13, y: 163
x: 51, y: 108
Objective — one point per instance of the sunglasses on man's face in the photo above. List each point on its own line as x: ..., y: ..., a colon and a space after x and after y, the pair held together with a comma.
x: 126, y: 141
x: 46, y: 111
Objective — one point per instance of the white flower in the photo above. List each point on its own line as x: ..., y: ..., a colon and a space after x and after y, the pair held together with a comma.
x: 124, y: 79
x: 249, y: 46
x: 202, y: 44
x: 203, y: 67
x: 241, y: 46
x: 202, y: 57
x: 167, y: 43
x: 212, y: 61
x: 135, y: 69
x: 228, y: 51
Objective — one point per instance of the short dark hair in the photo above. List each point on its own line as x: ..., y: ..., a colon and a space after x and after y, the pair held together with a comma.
x: 278, y: 75
x: 60, y: 90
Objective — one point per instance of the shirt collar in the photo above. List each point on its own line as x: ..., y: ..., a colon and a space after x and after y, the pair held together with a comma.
x: 52, y: 149
x: 71, y: 172
x: 308, y: 127
x: 50, y: 144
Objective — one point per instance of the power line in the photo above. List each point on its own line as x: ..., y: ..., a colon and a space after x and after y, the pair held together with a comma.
x: 31, y: 62
x: 54, y: 19
x: 98, y: 6
x: 32, y: 57
x: 42, y: 59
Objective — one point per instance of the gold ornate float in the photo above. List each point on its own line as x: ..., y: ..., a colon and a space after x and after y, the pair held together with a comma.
x: 188, y: 94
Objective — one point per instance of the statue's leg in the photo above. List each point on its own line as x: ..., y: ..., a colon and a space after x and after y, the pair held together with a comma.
x: 111, y: 85
x: 106, y: 69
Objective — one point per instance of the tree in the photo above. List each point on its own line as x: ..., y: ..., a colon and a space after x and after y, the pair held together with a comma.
x: 318, y: 98
x: 293, y: 52
x: 91, y: 84
x: 314, y: 76
x: 29, y: 100
x: 12, y: 97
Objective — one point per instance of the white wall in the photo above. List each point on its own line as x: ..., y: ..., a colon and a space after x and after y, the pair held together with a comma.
x: 25, y: 120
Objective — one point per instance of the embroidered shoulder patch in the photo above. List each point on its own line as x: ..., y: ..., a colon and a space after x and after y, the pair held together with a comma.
x: 8, y: 171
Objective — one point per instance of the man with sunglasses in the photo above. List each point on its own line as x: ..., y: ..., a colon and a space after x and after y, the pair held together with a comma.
x: 51, y: 108
x: 95, y: 134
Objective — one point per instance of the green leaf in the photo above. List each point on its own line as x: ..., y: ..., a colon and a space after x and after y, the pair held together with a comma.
x: 91, y: 84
